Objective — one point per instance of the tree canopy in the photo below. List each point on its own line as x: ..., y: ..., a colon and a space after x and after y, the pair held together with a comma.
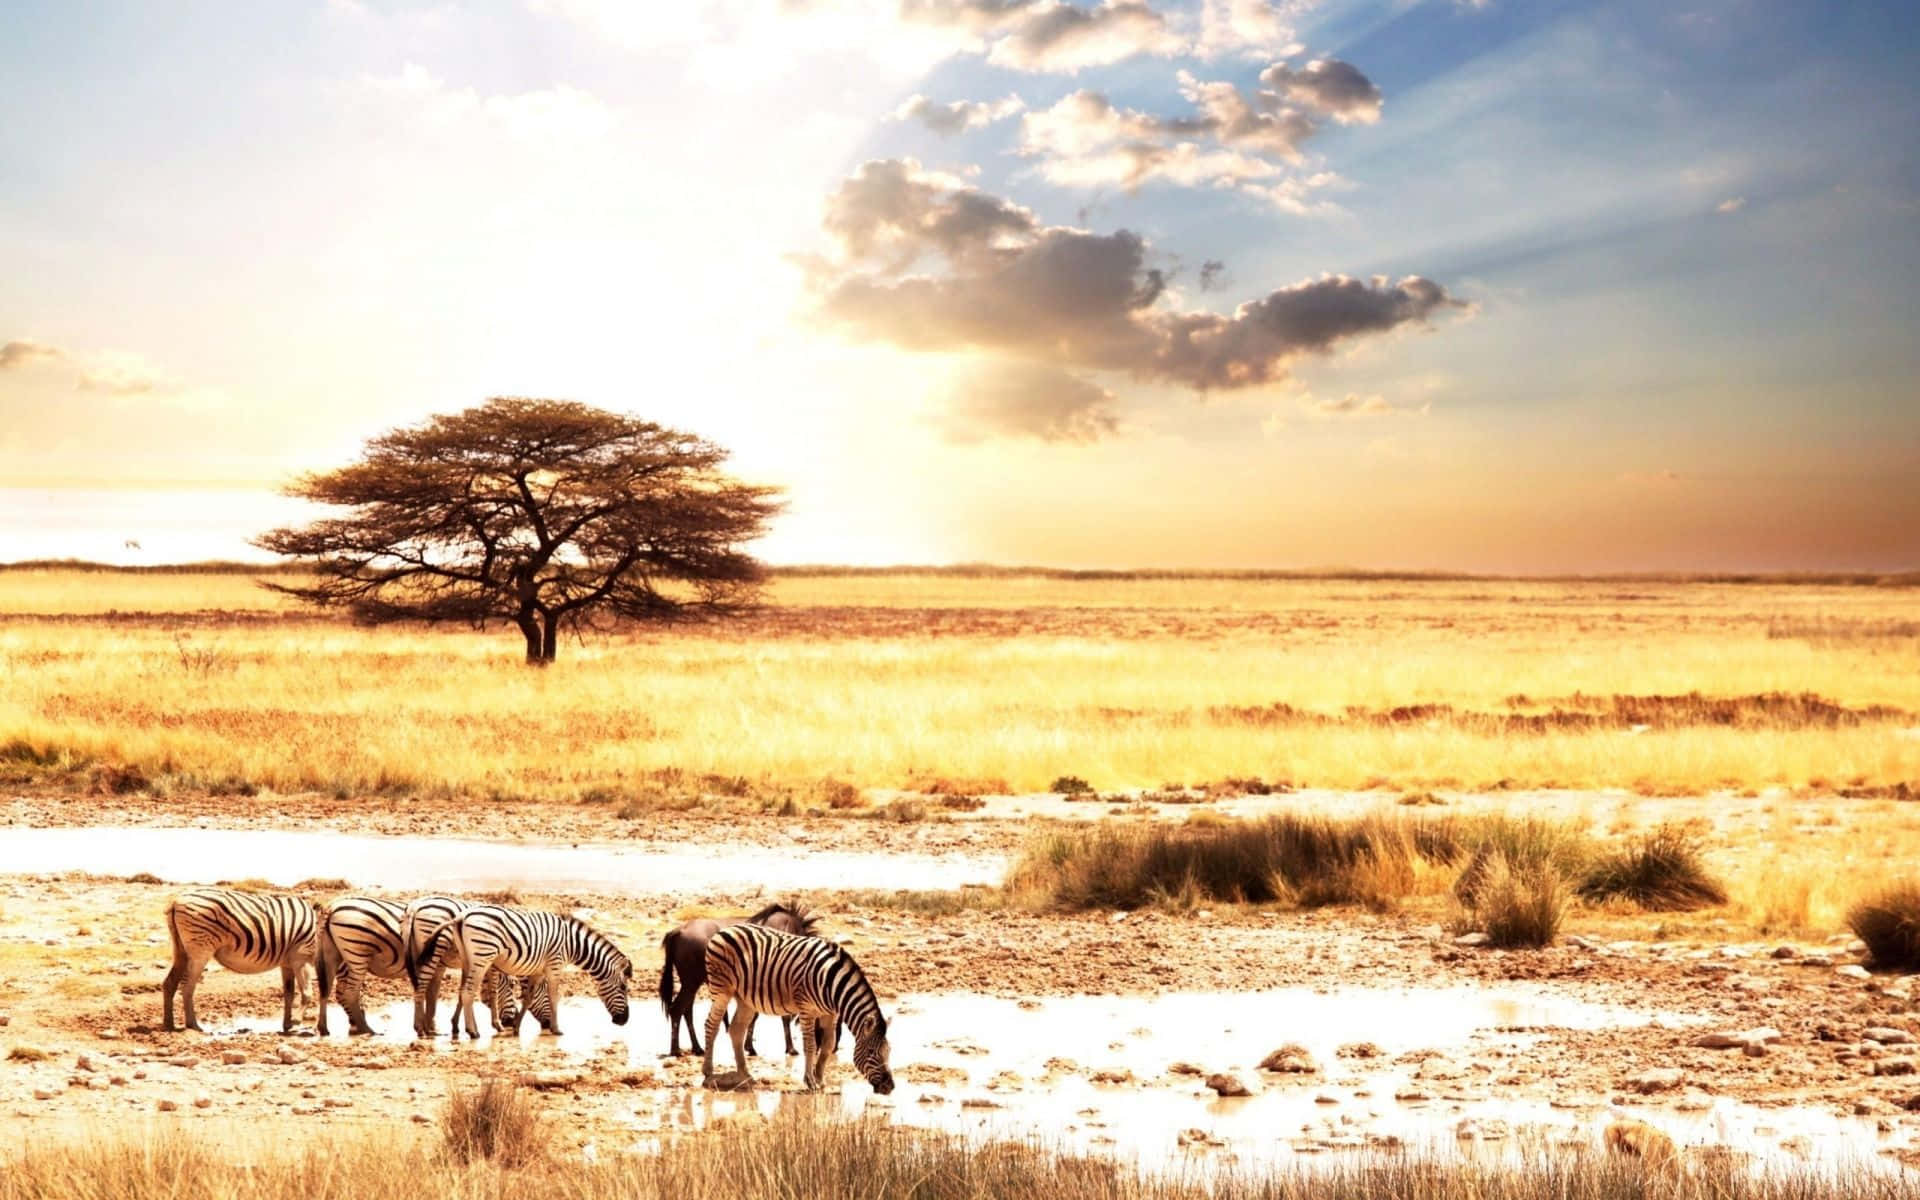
x: 544, y: 514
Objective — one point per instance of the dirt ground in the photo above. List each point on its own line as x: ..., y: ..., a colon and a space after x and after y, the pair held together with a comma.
x: 82, y: 958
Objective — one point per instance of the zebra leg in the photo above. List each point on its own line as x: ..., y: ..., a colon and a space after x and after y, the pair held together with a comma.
x: 353, y: 998
x: 175, y: 974
x: 191, y: 982
x: 786, y: 1032
x: 552, y: 980
x: 473, y: 968
x: 287, y: 977
x: 716, y: 1013
x: 737, y: 1030
x: 810, y: 1042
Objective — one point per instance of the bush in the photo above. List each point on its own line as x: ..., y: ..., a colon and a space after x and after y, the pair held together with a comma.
x: 1889, y: 923
x: 1070, y: 785
x: 1519, y: 906
x: 493, y: 1121
x: 1660, y: 872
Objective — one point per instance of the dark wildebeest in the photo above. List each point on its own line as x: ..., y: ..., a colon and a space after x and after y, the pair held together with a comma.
x: 685, y: 949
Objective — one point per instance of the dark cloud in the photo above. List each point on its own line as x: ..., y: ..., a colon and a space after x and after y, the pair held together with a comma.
x: 1329, y: 86
x: 1210, y: 273
x: 1068, y: 297
x: 23, y: 353
x: 1026, y: 400
x: 957, y: 116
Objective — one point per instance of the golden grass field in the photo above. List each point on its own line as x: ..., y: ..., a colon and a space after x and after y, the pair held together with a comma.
x: 991, y: 684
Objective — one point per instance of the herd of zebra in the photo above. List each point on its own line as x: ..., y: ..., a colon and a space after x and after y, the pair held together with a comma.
x: 508, y: 957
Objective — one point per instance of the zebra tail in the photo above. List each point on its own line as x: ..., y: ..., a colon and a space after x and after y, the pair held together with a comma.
x: 173, y: 929
x: 326, y: 953
x: 668, y: 945
x: 416, y: 961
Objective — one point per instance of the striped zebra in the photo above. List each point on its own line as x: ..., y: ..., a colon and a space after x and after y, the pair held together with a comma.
x: 364, y: 938
x: 501, y: 993
x: 806, y: 977
x: 530, y: 945
x: 245, y: 932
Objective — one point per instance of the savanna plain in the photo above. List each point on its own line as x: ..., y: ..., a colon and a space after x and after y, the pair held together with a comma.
x: 1172, y: 884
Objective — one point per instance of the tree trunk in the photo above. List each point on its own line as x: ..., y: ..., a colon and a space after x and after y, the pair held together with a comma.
x: 550, y: 644
x: 530, y: 629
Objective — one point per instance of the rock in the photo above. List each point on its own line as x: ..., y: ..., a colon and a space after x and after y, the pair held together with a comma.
x: 552, y: 1081
x: 166, y: 1105
x: 1659, y: 1079
x: 1853, y: 971
x: 1360, y: 1050
x: 288, y: 1056
x: 1290, y: 1059
x: 421, y: 1119
x: 184, y: 1060
x: 978, y: 1102
x: 1785, y: 952
x: 1112, y: 1075
x: 47, y: 1093
x: 202, y: 1100
x: 232, y: 1058
x: 6, y: 1019
x: 1475, y: 938
x: 85, y: 1063
x: 1693, y: 1102
x: 337, y: 1102
x: 1886, y: 1035
x: 1411, y: 1095
x: 1325, y: 1098
x: 1894, y: 1066
x: 1117, y: 917
x: 1185, y: 1068
x: 1227, y: 1085
x: 1754, y: 1049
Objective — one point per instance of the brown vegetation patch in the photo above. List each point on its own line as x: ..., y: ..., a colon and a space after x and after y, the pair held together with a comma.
x: 1580, y: 714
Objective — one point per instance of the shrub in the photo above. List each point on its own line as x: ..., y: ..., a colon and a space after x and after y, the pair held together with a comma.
x: 493, y: 1121
x: 27, y: 1054
x: 1889, y: 923
x: 1521, y: 905
x: 1070, y: 785
x: 1660, y: 872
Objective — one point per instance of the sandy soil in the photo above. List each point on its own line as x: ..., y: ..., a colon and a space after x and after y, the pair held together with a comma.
x: 81, y: 961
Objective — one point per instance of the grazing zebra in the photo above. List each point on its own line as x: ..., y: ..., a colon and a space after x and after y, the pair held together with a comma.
x: 807, y: 977
x: 530, y: 945
x: 363, y: 938
x: 245, y: 932
x: 418, y: 923
x: 685, y: 950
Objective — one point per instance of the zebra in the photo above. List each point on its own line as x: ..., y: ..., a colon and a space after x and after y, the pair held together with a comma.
x: 685, y: 950
x: 807, y: 977
x: 423, y: 918
x: 245, y: 932
x: 528, y: 944
x: 363, y: 938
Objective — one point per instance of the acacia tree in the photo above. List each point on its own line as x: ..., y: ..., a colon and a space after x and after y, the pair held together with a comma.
x: 543, y: 514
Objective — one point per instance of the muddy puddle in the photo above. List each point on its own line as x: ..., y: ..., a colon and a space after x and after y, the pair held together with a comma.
x: 1106, y: 1074
x: 458, y: 865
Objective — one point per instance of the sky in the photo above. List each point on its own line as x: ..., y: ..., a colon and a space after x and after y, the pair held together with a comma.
x: 1489, y: 285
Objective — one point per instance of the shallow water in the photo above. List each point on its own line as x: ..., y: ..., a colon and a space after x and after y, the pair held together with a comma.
x: 451, y: 864
x: 1009, y: 1055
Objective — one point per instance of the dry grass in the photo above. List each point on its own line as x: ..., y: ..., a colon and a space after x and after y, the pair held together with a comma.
x: 1661, y: 871
x: 1888, y: 921
x: 795, y: 1158
x: 903, y: 680
x: 1518, y: 904
x: 493, y: 1120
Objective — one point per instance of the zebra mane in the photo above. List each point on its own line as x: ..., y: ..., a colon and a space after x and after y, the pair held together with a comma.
x: 860, y: 972
x: 594, y: 931
x: 804, y: 916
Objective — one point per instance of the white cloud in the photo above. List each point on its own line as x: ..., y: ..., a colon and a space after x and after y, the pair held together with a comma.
x: 957, y: 116
x: 1731, y: 204
x: 560, y: 113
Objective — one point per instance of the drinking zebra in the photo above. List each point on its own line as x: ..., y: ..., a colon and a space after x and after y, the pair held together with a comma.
x: 806, y: 977
x: 363, y: 938
x: 245, y: 932
x: 685, y: 950
x: 528, y: 945
x: 422, y: 919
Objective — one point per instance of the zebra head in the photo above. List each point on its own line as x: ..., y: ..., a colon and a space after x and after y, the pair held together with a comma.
x: 612, y: 981
x: 870, y: 1055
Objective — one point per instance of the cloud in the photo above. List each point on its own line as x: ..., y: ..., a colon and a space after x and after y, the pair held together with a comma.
x: 1327, y: 85
x: 24, y: 353
x: 1230, y: 140
x: 1210, y: 273
x: 116, y: 373
x: 928, y: 263
x: 1026, y: 400
x: 959, y: 115
x: 1249, y: 27
x: 1051, y: 35
x: 1353, y: 405
x: 1731, y: 204
x: 542, y: 117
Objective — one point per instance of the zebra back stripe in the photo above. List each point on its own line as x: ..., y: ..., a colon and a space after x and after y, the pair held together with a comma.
x: 245, y: 931
x: 789, y: 975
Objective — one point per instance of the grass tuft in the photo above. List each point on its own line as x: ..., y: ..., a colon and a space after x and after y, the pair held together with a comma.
x: 1662, y: 871
x: 1519, y: 906
x: 494, y: 1121
x: 1888, y: 921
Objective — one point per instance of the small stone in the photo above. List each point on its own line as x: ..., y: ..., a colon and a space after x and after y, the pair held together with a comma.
x: 232, y: 1058
x: 46, y: 1093
x: 1785, y: 952
x: 1290, y: 1059
x: 978, y: 1102
x: 421, y: 1119
x: 1112, y: 1075
x: 1475, y: 938
x: 1886, y: 1035
x: 1853, y: 971
x: 1659, y: 1079
x: 1185, y: 1068
x: 1227, y: 1085
x: 1325, y: 1098
x: 1411, y: 1095
x: 1754, y: 1049
x: 1894, y: 1066
x: 167, y: 1105
x: 184, y: 1060
x: 1360, y: 1050
x: 202, y: 1100
x: 117, y: 1080
x: 337, y: 1102
x: 6, y: 1019
x: 85, y: 1063
x: 288, y: 1056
